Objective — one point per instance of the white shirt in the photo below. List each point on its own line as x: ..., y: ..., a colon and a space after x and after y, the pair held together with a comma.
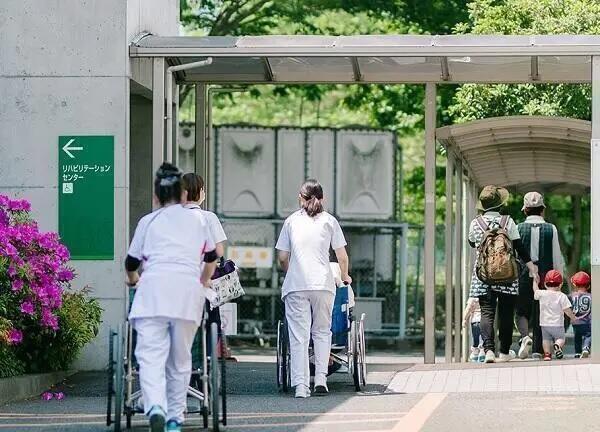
x: 308, y: 240
x: 171, y: 242
x: 534, y: 252
x: 552, y: 306
x: 214, y: 224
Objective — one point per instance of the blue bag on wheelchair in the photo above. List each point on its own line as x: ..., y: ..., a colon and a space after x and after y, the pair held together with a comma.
x: 339, y: 318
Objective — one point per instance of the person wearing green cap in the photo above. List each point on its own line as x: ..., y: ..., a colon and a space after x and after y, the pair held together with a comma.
x: 491, y: 200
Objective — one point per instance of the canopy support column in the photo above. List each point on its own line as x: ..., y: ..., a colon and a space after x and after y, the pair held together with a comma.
x: 449, y: 254
x: 469, y: 215
x: 201, y: 136
x: 594, y: 197
x: 429, y: 262
x: 158, y: 113
x: 458, y: 261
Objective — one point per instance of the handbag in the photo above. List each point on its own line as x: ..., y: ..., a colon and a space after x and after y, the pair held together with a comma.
x: 226, y: 284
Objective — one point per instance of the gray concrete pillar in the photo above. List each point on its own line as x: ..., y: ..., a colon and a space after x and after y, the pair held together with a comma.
x: 449, y: 254
x: 429, y: 261
x: 458, y: 261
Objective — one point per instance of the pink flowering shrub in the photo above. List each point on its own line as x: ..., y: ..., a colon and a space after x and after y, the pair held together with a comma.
x: 35, y: 298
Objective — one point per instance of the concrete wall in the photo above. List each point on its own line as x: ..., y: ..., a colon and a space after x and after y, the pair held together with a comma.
x: 65, y: 71
x: 140, y: 172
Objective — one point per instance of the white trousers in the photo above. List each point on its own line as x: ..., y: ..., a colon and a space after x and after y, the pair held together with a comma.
x: 164, y: 353
x: 308, y: 313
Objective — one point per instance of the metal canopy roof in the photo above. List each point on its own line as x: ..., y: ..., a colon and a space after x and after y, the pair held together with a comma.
x: 373, y: 58
x: 525, y: 152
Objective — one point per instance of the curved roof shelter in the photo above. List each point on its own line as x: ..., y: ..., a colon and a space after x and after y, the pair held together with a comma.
x: 550, y: 154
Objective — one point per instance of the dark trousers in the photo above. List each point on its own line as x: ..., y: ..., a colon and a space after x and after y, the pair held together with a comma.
x: 583, y: 336
x: 476, y: 333
x: 506, y: 308
x: 527, y: 314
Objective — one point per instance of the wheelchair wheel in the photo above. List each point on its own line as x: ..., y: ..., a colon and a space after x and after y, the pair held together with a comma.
x: 118, y: 377
x: 214, y: 377
x: 223, y: 385
x: 283, y: 357
x: 110, y: 375
x: 363, y: 349
x: 357, y: 358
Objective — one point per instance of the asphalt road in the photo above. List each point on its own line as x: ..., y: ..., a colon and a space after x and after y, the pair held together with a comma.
x: 256, y: 405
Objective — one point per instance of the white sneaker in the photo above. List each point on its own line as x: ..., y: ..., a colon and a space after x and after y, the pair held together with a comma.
x: 525, y: 347
x: 490, y: 357
x: 481, y: 358
x: 302, y: 391
x: 585, y: 353
x: 503, y: 358
x: 474, y: 357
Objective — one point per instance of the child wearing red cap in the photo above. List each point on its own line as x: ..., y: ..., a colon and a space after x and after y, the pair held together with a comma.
x: 582, y: 308
x: 554, y: 305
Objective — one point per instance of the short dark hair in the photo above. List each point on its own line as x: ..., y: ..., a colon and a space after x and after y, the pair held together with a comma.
x: 312, y: 193
x: 534, y: 211
x: 193, y: 184
x: 167, y: 184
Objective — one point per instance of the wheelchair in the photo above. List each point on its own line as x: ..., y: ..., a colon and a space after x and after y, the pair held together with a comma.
x: 207, y: 388
x: 348, y: 349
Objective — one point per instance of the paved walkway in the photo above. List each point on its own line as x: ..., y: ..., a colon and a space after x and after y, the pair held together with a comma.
x: 567, y: 376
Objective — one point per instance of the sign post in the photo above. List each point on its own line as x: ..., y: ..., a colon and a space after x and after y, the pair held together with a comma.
x: 86, y: 196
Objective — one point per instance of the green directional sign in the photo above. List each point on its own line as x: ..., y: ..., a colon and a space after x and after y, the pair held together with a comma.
x: 86, y: 196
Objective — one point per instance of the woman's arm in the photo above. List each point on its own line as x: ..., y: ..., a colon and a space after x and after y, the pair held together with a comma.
x: 343, y: 261
x: 210, y: 260
x: 131, y: 268
x: 220, y: 249
x: 284, y: 259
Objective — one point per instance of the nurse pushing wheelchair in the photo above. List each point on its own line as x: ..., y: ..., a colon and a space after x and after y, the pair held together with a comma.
x: 177, y: 252
x: 309, y: 293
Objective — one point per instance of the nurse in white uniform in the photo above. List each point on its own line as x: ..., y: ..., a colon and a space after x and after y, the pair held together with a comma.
x: 309, y: 286
x: 193, y: 197
x: 177, y: 254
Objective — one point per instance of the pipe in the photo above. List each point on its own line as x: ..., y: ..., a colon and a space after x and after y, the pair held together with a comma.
x: 169, y: 91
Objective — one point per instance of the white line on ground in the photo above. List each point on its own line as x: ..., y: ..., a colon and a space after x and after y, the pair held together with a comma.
x: 16, y: 426
x: 414, y: 420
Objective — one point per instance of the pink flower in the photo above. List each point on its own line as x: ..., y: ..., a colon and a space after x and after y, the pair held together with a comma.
x: 27, y: 307
x: 15, y: 336
x: 17, y: 285
x: 11, y: 251
x: 19, y: 205
x: 65, y: 275
x: 3, y: 218
x: 12, y: 271
x: 47, y: 396
x: 4, y: 200
x: 59, y: 396
x: 49, y: 319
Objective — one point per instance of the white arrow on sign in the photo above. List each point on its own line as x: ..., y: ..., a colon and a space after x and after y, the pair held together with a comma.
x: 67, y: 148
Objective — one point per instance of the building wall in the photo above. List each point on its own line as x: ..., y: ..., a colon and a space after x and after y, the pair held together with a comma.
x: 65, y: 71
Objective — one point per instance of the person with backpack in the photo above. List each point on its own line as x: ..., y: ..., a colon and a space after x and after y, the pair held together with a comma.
x: 495, y: 275
x: 540, y: 238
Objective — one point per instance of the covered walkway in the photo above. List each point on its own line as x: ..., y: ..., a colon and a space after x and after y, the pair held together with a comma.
x: 430, y: 60
x: 546, y: 154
